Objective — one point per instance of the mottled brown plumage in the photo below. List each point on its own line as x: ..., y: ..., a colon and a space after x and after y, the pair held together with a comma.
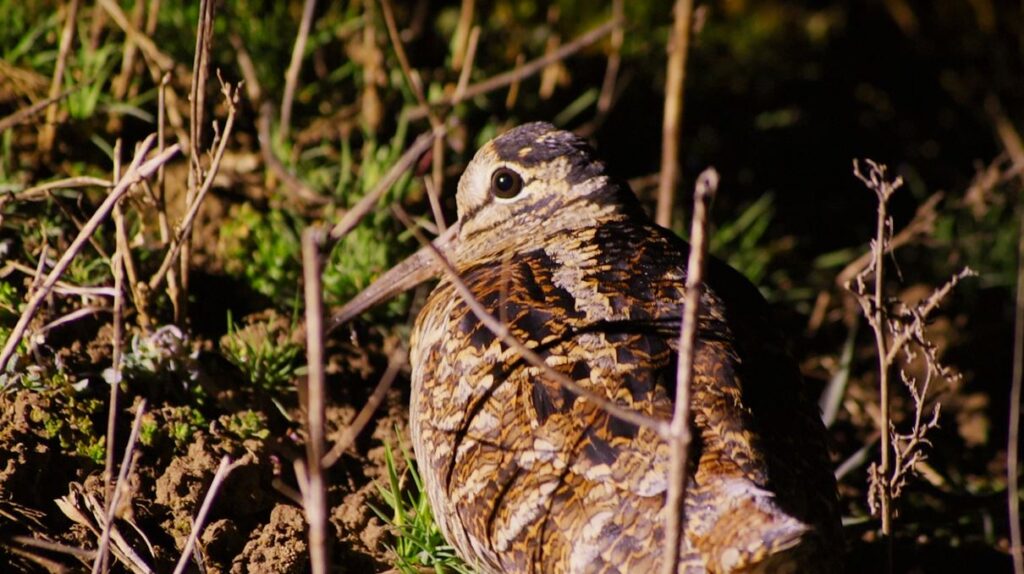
x: 525, y: 476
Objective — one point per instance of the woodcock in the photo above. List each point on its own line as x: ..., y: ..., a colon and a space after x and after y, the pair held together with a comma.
x: 526, y: 476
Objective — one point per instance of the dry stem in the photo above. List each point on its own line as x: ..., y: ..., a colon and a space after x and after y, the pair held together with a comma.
x: 197, y: 100
x: 673, y: 113
x: 520, y: 72
x: 66, y: 37
x: 231, y: 98
x: 675, y: 503
x: 314, y: 488
x: 395, y: 361
x: 223, y: 470
x: 1014, y: 146
x: 291, y: 75
x: 365, y: 205
x: 127, y: 464
x: 897, y: 329
x: 135, y: 173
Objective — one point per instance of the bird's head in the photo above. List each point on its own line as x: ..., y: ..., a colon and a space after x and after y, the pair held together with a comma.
x: 527, y: 184
x: 521, y: 189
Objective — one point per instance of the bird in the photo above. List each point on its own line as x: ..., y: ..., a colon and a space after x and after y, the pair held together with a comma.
x: 526, y: 475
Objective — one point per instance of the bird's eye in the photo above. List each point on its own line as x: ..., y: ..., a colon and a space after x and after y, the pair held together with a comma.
x: 506, y: 183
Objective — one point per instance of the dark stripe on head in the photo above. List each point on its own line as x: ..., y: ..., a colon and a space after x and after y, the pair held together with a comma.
x: 536, y: 143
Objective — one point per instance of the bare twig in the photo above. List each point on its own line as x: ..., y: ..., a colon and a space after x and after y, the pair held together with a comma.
x: 411, y: 77
x: 223, y: 470
x: 502, y: 332
x: 611, y: 72
x: 460, y: 54
x: 395, y: 361
x: 118, y: 267
x: 673, y: 113
x: 231, y: 98
x: 73, y: 316
x: 467, y: 66
x: 294, y: 67
x: 26, y: 113
x: 200, y: 73
x: 163, y: 219
x: 416, y: 85
x: 876, y: 315
x: 365, y: 205
x: 675, y: 503
x: 315, y: 490
x: 135, y: 173
x: 434, y: 195
x: 119, y: 87
x: 297, y: 188
x: 526, y: 70
x: 42, y: 191
x: 1014, y: 146
x: 67, y: 35
x: 1013, y: 437
x: 897, y: 329
x: 921, y: 225
x: 253, y: 89
x: 127, y: 464
x: 55, y: 547
x: 122, y: 244
x: 145, y: 43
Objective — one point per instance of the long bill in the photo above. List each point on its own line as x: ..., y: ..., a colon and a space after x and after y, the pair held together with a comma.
x: 413, y: 270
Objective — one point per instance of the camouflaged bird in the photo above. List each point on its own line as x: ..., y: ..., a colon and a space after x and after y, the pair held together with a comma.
x: 526, y: 476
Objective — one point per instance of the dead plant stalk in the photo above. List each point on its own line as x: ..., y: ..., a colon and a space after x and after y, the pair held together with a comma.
x: 899, y: 330
x: 136, y: 172
x: 675, y: 516
x: 673, y: 111
x: 314, y: 489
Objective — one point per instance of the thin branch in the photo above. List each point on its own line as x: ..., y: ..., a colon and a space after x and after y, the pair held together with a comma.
x: 55, y: 547
x: 26, y: 113
x: 163, y: 219
x: 460, y: 54
x: 294, y: 67
x: 1013, y: 436
x: 365, y: 205
x: 416, y: 85
x: 122, y: 244
x: 520, y: 72
x: 1014, y: 146
x: 467, y: 67
x: 200, y: 73
x: 295, y: 186
x: 395, y: 361
x: 67, y: 35
x: 145, y: 43
x: 42, y: 191
x: 231, y: 98
x: 223, y: 470
x: 434, y: 195
x: 315, y: 491
x: 127, y: 464
x: 118, y: 264
x: 611, y: 72
x: 134, y: 174
x: 675, y: 503
x: 673, y: 111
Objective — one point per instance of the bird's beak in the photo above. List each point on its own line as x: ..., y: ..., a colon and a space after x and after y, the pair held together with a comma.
x: 415, y: 269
